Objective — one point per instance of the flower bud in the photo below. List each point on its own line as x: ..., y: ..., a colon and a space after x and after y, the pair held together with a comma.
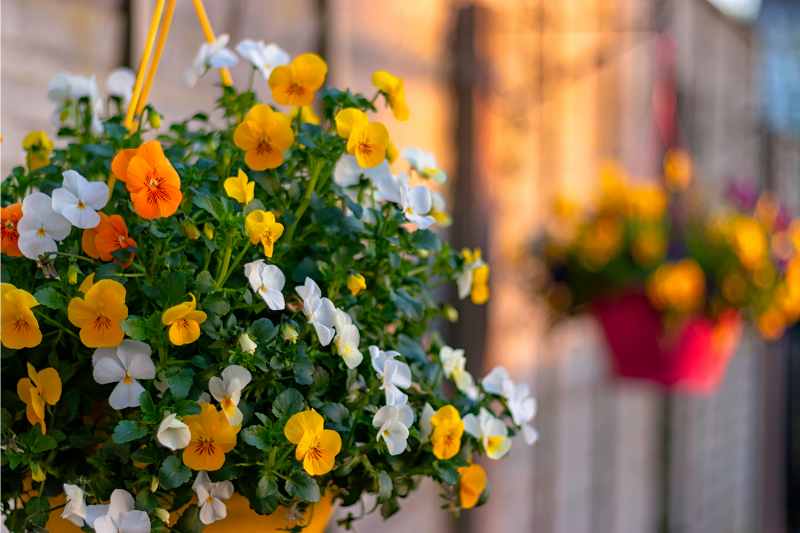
x: 153, y: 118
x: 173, y: 433
x: 289, y: 334
x: 450, y: 313
x: 162, y: 514
x: 154, y: 485
x: 37, y: 474
x: 356, y: 283
x: 208, y: 231
x: 247, y: 344
x: 72, y: 274
x: 191, y: 231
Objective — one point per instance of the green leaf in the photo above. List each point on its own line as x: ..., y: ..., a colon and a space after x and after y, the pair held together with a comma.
x: 385, y: 485
x: 173, y: 473
x: 50, y: 298
x: 303, y: 486
x: 411, y: 349
x: 336, y: 415
x: 426, y: 240
x: 263, y: 331
x: 303, y: 371
x: 446, y: 472
x: 147, y: 455
x: 135, y: 327
x: 257, y: 436
x: 148, y: 408
x: 127, y: 431
x: 287, y: 403
x: 204, y: 282
x: 266, y: 487
x: 38, y: 510
x: 35, y: 442
x: 190, y: 521
x: 180, y: 383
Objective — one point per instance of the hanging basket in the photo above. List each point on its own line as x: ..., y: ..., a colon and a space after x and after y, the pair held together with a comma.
x: 691, y: 358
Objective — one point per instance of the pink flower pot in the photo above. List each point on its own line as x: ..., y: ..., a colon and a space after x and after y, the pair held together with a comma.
x: 693, y: 357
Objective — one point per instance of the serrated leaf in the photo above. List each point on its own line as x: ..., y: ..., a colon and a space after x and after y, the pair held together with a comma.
x: 287, y: 403
x: 180, y: 383
x: 266, y: 487
x: 256, y: 436
x: 173, y: 473
x: 128, y: 431
x: 263, y: 331
x: 135, y: 327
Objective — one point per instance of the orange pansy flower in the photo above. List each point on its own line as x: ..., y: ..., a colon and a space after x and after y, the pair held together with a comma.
x: 154, y: 184
x: 212, y: 437
x: 9, y: 216
x: 108, y: 237
x: 99, y: 314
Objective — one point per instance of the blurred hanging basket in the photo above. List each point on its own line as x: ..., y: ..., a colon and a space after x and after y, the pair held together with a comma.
x: 691, y: 356
x: 670, y: 284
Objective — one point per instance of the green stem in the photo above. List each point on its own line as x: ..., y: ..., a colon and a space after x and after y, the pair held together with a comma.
x: 236, y: 261
x: 58, y: 325
x: 226, y: 261
x: 305, y: 203
x: 75, y: 256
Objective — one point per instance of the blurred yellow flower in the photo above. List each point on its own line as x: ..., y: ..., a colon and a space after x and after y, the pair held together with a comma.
x: 296, y: 83
x: 347, y: 119
x: 677, y: 169
x: 356, y: 283
x: 771, y: 324
x: 368, y: 143
x: 612, y: 194
x: 600, y: 242
x: 392, y: 87
x: 749, y: 242
x: 447, y: 431
x: 471, y: 483
x: 479, y: 293
x: 646, y: 201
x: 18, y: 325
x: 38, y: 148
x: 38, y: 389
x: 262, y: 227
x: 317, y: 447
x: 240, y: 188
x: 677, y: 286
x: 184, y: 322
x: 649, y: 245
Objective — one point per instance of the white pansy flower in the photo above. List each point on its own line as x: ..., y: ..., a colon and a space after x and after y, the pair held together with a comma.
x: 393, y: 422
x: 75, y: 507
x: 424, y: 163
x: 228, y: 391
x: 416, y: 202
x: 203, y: 398
x: 40, y: 227
x: 395, y: 374
x: 491, y: 431
x: 267, y: 281
x: 247, y: 344
x: 120, y: 84
x: 347, y: 172
x: 347, y: 339
x: 65, y: 88
x: 454, y: 366
x: 319, y: 311
x: 425, y: 425
x: 263, y: 57
x: 173, y: 433
x: 79, y: 199
x: 124, y: 365
x: 209, y: 497
x: 121, y: 517
x: 211, y: 55
x: 518, y: 398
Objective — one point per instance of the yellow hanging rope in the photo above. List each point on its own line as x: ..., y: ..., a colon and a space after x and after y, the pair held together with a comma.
x: 148, y: 49
x: 162, y: 40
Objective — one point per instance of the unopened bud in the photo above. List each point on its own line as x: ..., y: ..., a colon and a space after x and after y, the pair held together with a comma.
x: 162, y: 514
x: 450, y: 313
x: 208, y: 231
x: 191, y: 231
x: 289, y: 333
x: 247, y: 344
x: 72, y: 274
x: 153, y: 483
x: 154, y: 119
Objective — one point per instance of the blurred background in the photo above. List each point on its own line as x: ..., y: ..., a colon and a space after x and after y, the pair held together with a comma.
x: 520, y: 99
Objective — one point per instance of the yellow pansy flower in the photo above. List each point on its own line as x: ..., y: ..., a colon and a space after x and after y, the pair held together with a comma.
x: 212, y: 437
x: 262, y: 227
x: 447, y: 431
x: 347, y: 119
x: 479, y: 293
x: 240, y: 188
x: 356, y: 283
x: 471, y: 484
x: 99, y: 314
x: 264, y: 135
x: 18, y: 326
x: 38, y: 389
x: 678, y: 286
x: 296, y: 83
x: 317, y: 447
x: 647, y: 201
x: 392, y: 87
x: 184, y: 322
x: 38, y: 148
x: 677, y: 169
x: 368, y: 143
x: 307, y: 114
x: 392, y: 153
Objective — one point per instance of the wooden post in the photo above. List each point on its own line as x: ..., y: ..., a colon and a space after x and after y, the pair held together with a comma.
x: 470, y: 211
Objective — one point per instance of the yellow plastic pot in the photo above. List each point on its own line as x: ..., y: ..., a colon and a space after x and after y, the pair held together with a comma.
x: 240, y: 519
